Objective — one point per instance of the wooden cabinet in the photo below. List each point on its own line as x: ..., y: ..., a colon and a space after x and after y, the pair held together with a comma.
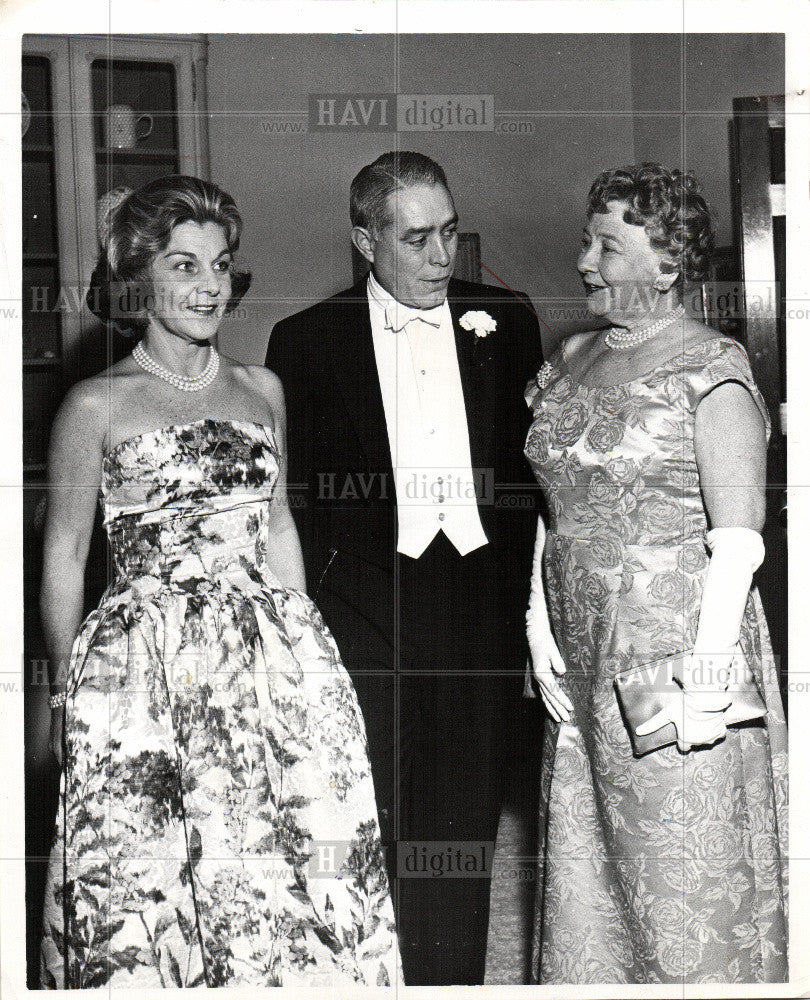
x: 84, y: 92
x: 48, y: 263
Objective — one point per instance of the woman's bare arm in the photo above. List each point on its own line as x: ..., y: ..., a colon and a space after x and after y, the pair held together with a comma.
x: 74, y: 475
x: 730, y: 450
x: 284, y: 548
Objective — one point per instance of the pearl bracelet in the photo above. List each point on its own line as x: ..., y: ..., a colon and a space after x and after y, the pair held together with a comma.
x: 57, y: 700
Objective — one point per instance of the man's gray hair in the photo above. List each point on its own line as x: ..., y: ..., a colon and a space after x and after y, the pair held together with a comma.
x: 388, y: 173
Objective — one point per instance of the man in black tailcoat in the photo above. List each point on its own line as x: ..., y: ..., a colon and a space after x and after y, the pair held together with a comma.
x: 416, y: 510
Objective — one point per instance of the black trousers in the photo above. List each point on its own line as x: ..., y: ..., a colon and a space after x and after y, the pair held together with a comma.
x: 438, y: 731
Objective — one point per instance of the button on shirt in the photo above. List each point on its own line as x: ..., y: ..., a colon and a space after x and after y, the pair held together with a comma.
x: 417, y: 366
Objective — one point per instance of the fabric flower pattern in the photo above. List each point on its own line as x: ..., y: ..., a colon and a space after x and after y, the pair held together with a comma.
x: 213, y: 742
x: 654, y: 867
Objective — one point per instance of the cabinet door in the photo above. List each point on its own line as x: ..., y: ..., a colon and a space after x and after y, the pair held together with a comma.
x: 138, y: 110
x: 48, y: 273
x: 49, y: 278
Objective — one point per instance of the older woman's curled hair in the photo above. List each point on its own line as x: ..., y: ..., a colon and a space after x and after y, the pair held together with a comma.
x: 669, y: 205
x: 139, y: 227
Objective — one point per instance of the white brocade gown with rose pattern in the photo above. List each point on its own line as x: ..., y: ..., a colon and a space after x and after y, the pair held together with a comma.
x: 669, y: 868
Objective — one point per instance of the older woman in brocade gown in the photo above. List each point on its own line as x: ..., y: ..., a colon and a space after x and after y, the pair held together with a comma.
x: 649, y: 441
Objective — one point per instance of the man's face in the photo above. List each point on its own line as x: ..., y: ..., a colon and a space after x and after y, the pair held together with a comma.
x: 414, y: 255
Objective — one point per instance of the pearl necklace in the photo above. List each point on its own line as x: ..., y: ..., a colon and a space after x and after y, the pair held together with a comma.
x: 147, y: 362
x: 620, y: 339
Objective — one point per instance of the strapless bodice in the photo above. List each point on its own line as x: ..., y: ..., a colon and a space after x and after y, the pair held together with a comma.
x: 190, y: 501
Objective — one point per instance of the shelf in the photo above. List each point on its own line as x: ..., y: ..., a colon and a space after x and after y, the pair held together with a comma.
x: 133, y: 152
x: 47, y: 256
x: 37, y: 147
x: 40, y: 363
x: 36, y: 467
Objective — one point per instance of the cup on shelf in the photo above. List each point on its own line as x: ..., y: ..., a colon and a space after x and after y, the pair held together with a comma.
x: 121, y: 125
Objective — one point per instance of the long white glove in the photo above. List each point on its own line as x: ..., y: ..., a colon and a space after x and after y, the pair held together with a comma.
x: 736, y: 554
x: 546, y: 659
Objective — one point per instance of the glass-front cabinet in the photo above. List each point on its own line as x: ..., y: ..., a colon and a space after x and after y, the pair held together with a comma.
x: 98, y: 113
x: 135, y: 131
x: 104, y: 112
x: 44, y: 246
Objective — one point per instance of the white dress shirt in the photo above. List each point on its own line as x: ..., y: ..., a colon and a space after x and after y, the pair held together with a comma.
x: 415, y: 351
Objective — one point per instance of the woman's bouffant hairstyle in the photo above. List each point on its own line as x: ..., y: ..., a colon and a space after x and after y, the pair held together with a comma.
x: 669, y: 205
x: 140, y: 227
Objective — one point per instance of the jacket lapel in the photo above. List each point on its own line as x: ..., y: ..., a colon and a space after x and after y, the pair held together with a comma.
x: 354, y: 367
x: 475, y: 385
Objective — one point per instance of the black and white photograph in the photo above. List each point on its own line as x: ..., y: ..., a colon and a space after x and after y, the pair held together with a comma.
x: 403, y: 411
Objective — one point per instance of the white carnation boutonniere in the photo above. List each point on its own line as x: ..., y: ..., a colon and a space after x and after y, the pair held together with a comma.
x: 480, y: 322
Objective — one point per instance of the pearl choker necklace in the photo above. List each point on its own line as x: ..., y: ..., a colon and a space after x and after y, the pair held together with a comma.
x: 620, y: 339
x: 148, y: 363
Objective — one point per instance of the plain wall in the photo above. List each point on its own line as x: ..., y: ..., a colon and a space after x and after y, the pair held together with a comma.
x: 594, y: 102
x: 683, y: 87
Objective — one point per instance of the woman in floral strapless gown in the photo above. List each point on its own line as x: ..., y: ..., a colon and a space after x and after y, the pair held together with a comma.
x: 649, y: 442
x: 217, y: 823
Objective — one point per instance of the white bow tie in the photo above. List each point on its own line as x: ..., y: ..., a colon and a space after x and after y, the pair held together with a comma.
x: 398, y: 316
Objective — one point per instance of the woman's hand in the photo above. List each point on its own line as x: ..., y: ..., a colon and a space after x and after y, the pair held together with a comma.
x: 546, y: 659
x: 546, y: 663
x: 56, y: 734
x: 698, y: 722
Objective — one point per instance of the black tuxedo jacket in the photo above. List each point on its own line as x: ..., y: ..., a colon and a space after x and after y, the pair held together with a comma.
x: 340, y: 475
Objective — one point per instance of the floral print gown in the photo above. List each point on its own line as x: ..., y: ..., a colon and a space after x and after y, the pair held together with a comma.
x: 669, y: 867
x: 217, y: 823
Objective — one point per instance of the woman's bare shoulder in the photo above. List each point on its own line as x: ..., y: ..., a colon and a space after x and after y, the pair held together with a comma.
x: 256, y: 377
x: 97, y: 392
x: 81, y: 420
x: 260, y: 390
x: 90, y: 403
